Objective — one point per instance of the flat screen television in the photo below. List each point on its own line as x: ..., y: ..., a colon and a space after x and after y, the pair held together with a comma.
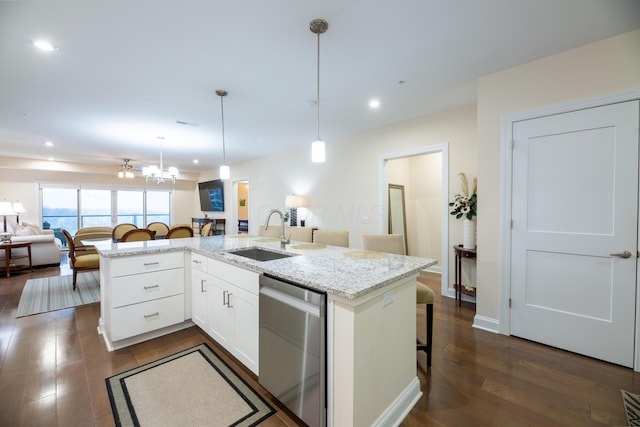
x: 211, y: 196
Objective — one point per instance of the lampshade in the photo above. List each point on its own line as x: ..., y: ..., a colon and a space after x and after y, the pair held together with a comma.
x: 225, y: 172
x: 18, y: 208
x: 6, y: 208
x: 296, y: 201
x: 158, y: 174
x: 318, y: 152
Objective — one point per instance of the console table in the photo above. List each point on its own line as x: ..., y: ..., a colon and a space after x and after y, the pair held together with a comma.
x: 7, y: 254
x: 458, y: 286
x: 218, y: 227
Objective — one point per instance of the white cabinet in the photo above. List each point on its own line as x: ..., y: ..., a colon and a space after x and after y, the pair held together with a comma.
x: 140, y: 295
x: 199, y: 288
x: 229, y: 295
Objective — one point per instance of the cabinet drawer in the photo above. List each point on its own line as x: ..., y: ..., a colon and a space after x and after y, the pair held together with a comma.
x: 245, y: 279
x: 145, y: 287
x: 145, y: 317
x: 199, y: 262
x: 145, y: 263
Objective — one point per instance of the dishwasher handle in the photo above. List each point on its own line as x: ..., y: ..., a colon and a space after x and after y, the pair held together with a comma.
x: 294, y: 302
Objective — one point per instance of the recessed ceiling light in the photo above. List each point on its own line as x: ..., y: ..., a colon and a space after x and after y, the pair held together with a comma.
x: 49, y: 144
x: 374, y: 103
x: 44, y: 45
x: 195, y: 161
x: 51, y: 159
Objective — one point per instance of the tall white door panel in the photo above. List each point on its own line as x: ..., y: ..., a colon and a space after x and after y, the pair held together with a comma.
x: 574, y: 233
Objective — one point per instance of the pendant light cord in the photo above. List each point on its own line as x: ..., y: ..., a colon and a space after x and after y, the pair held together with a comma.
x: 318, y: 95
x: 224, y: 153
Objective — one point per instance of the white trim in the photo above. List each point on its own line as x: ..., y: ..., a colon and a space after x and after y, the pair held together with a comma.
x: 395, y: 413
x: 382, y: 199
x: 232, y: 228
x: 506, y: 173
x: 486, y: 324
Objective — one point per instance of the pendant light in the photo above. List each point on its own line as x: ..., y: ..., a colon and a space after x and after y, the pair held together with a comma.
x: 318, y: 26
x: 225, y: 172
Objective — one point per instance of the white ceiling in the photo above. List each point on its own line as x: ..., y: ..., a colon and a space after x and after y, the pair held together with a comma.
x: 125, y: 71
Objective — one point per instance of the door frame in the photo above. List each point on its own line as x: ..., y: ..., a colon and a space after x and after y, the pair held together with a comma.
x: 234, y: 203
x: 383, y: 198
x: 506, y: 173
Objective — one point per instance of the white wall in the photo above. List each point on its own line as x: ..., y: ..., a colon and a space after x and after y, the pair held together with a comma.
x: 344, y: 191
x: 606, y: 66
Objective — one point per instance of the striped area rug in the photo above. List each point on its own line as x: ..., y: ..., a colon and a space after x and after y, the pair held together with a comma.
x: 632, y: 407
x: 55, y: 293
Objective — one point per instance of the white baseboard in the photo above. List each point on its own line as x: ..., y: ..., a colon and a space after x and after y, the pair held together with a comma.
x: 486, y: 324
x: 401, y: 406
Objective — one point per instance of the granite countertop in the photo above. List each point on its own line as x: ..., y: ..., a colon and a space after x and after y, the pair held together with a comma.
x: 346, y: 272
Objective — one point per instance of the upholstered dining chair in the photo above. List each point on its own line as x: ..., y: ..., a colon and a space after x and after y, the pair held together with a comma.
x: 138, y: 235
x: 80, y: 263
x: 180, y: 232
x: 206, y: 229
x: 85, y: 234
x: 161, y: 229
x: 332, y: 237
x: 120, y: 229
x: 394, y: 243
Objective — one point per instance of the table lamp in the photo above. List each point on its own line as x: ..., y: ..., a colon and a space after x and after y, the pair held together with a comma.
x: 18, y: 208
x: 6, y: 208
x: 295, y: 201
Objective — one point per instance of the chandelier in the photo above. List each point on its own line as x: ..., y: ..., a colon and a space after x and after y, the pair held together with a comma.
x: 126, y: 170
x: 158, y: 174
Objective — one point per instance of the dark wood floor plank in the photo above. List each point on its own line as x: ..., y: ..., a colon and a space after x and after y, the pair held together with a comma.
x: 53, y: 368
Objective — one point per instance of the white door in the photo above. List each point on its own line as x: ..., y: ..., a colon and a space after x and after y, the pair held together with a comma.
x: 575, y: 216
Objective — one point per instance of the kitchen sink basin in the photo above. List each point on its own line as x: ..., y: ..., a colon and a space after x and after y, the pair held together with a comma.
x: 259, y: 254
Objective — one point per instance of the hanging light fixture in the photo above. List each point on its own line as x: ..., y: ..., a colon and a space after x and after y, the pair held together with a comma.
x: 318, y: 26
x: 126, y: 170
x: 225, y: 172
x: 159, y: 174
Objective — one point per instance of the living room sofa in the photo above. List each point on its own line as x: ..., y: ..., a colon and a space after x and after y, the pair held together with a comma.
x: 46, y: 249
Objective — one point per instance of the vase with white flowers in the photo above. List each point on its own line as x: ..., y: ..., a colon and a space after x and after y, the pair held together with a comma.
x: 465, y: 205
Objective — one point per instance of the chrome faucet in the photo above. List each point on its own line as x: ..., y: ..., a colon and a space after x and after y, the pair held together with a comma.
x: 283, y: 240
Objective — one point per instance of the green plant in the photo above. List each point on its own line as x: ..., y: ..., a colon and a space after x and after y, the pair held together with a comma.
x: 465, y: 203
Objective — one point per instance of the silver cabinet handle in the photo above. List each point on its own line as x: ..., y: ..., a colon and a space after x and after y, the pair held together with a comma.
x: 224, y: 297
x: 625, y: 254
x: 146, y: 316
x: 146, y: 288
x: 202, y: 282
x: 229, y: 300
x: 147, y: 264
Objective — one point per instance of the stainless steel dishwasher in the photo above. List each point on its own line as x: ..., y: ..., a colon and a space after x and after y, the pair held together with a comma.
x: 292, y: 349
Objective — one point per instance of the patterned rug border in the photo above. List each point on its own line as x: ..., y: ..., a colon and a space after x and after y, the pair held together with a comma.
x: 52, y: 293
x: 631, y: 407
x: 124, y: 413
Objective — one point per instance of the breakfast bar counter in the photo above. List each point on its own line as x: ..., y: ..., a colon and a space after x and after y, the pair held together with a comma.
x: 156, y: 287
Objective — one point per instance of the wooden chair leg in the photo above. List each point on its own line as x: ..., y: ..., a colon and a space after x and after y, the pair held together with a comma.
x: 75, y: 276
x: 427, y: 345
x: 429, y: 333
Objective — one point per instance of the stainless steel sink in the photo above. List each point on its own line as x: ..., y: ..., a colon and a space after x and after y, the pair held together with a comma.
x: 259, y: 254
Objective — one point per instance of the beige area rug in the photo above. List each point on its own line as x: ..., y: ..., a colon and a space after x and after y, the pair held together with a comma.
x: 191, y: 388
x: 56, y: 292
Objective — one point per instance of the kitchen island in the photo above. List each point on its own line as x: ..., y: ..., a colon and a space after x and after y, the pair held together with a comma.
x: 371, y: 325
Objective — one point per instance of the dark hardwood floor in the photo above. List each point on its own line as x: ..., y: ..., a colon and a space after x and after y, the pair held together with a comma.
x: 53, y: 367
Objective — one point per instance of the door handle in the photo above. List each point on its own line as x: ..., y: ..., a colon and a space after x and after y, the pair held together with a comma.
x: 625, y: 254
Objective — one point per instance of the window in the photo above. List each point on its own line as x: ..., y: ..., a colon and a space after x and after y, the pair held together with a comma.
x: 158, y: 203
x: 60, y: 210
x: 131, y: 208
x: 95, y: 208
x: 73, y: 207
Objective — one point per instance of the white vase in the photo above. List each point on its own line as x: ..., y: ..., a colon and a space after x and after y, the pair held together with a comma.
x: 469, y: 234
